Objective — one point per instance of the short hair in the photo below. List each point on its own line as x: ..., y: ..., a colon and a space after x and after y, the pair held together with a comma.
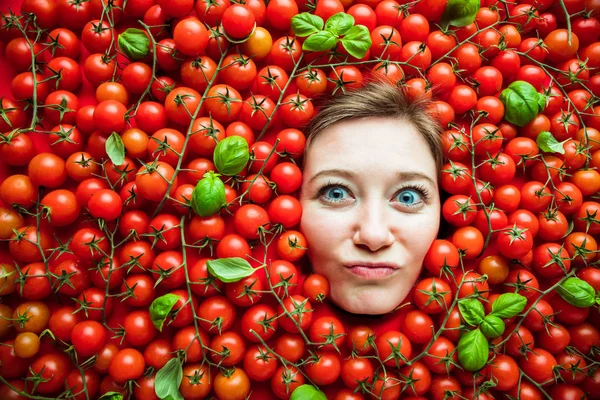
x: 378, y: 98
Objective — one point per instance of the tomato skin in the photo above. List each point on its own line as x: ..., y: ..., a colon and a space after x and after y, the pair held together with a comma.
x: 322, y: 328
x: 325, y: 370
x: 584, y: 336
x: 261, y: 319
x: 539, y: 365
x: 78, y: 280
x: 300, y: 310
x: 245, y: 292
x: 88, y: 338
x: 515, y: 242
x: 158, y: 352
x: 63, y: 321
x: 109, y: 116
x: 503, y: 370
x: 259, y: 364
x: 153, y: 182
x: 249, y: 219
x: 433, y: 285
x: 54, y: 368
x: 239, y: 72
x: 391, y: 342
x: 204, y: 284
x: 47, y: 169
x: 280, y: 12
x: 196, y: 383
x: 290, y: 346
x: 127, y: 364
x: 187, y: 340
x: 213, y: 309
x: 233, y: 387
x: 238, y: 21
x: 234, y: 344
x: 139, y: 329
x: 283, y: 271
x: 36, y: 285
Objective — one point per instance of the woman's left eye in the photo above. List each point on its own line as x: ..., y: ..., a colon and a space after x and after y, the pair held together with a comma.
x: 410, y: 197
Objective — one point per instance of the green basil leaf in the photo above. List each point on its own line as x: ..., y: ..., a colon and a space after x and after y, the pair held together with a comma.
x: 459, y: 13
x: 548, y: 143
x: 492, y: 327
x: 508, y: 305
x: 160, y: 309
x: 209, y: 195
x: 111, y: 396
x: 320, y: 41
x: 305, y: 24
x: 168, y: 379
x: 577, y: 292
x: 357, y: 41
x: 230, y: 269
x: 231, y: 155
x: 521, y: 103
x: 115, y: 148
x: 134, y: 43
x: 339, y: 24
x: 473, y: 350
x: 472, y: 311
x: 307, y: 392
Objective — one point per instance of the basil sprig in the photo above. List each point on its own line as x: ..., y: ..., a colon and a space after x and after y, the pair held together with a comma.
x: 168, y: 379
x: 115, y: 149
x: 578, y: 293
x: 230, y: 269
x: 321, y: 36
x: 459, y: 13
x: 307, y: 392
x: 473, y: 350
x: 160, y: 309
x: 134, y: 43
x: 231, y: 155
x: 548, y: 143
x: 209, y: 195
x: 473, y: 345
x: 522, y: 102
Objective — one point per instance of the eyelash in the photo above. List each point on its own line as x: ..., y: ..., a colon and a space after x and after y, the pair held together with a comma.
x: 423, y: 191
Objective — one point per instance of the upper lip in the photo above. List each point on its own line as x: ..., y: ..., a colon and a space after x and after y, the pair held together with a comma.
x: 372, y: 265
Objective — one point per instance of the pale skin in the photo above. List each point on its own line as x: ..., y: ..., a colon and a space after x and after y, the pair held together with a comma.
x: 382, y: 205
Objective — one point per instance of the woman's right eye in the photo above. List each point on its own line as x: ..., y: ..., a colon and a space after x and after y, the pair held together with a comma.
x: 333, y: 193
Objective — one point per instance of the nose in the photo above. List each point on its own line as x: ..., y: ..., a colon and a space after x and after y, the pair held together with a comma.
x: 373, y: 226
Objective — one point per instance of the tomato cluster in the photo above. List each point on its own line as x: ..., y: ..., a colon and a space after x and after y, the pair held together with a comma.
x: 107, y: 131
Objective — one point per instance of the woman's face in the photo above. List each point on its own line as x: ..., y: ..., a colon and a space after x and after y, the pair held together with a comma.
x: 371, y: 209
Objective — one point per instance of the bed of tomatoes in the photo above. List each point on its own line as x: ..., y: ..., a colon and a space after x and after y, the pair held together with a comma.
x: 88, y: 243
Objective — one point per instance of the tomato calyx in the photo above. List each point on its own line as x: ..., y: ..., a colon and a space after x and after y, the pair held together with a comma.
x: 589, y: 219
x: 515, y: 233
x: 62, y: 279
x: 456, y: 172
x: 435, y: 295
x: 339, y: 82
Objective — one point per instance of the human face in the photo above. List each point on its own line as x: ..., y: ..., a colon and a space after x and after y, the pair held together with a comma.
x: 369, y: 196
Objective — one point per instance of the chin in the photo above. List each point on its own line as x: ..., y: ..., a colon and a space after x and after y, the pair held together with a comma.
x: 367, y: 304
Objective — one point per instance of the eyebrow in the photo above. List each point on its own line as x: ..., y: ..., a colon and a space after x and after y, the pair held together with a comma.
x: 402, y: 175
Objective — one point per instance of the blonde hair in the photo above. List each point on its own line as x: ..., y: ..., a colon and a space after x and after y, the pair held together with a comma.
x: 380, y: 99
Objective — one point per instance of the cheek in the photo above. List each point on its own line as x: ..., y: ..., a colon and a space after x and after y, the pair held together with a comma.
x: 419, y: 234
x: 321, y: 228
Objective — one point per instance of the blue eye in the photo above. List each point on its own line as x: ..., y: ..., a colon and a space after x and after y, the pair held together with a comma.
x: 334, y: 193
x: 410, y: 197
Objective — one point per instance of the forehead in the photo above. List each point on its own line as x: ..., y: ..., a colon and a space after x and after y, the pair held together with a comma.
x: 372, y: 144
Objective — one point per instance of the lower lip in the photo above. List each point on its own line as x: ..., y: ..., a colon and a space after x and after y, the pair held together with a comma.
x: 372, y: 273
